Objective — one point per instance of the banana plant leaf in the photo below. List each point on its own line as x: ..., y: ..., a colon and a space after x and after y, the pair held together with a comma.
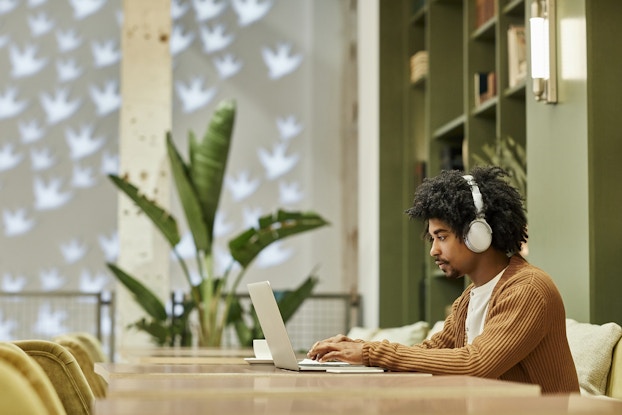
x: 244, y: 331
x: 245, y: 247
x: 143, y: 295
x: 159, y: 332
x: 199, y: 184
x: 208, y: 160
x: 162, y: 219
x: 189, y: 198
x: 511, y: 156
x: 289, y: 302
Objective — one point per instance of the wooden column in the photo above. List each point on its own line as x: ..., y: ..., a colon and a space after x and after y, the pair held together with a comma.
x: 146, y: 77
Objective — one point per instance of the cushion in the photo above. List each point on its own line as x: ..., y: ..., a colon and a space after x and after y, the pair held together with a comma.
x: 362, y: 333
x: 438, y: 326
x: 18, y: 395
x: 592, y: 346
x: 408, y: 335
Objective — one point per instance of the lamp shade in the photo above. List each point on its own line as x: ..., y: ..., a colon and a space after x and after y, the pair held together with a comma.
x: 539, y: 48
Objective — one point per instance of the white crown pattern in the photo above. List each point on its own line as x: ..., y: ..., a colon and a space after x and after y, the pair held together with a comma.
x: 59, y: 99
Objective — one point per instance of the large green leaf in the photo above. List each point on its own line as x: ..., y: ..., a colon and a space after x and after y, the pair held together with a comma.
x: 143, y: 295
x: 208, y: 160
x: 159, y: 331
x: 188, y: 197
x: 245, y: 332
x: 162, y: 219
x: 246, y: 246
x: 289, y: 301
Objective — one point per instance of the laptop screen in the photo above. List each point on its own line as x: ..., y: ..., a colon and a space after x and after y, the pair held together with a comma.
x: 272, y: 325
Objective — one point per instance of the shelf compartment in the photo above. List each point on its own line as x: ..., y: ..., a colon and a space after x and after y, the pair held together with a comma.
x: 419, y: 83
x: 453, y: 128
x: 514, y: 7
x: 442, y: 292
x: 487, y: 109
x: 517, y: 91
x: 486, y: 32
x: 419, y: 16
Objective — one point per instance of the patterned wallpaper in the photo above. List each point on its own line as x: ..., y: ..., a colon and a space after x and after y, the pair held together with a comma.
x: 59, y: 114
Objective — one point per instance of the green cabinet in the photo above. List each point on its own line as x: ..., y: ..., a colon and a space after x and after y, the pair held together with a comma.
x: 443, y: 123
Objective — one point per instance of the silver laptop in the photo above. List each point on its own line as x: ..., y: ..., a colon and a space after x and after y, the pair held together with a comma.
x: 278, y: 340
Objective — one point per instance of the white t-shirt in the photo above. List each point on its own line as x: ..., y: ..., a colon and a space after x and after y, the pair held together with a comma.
x: 478, y: 307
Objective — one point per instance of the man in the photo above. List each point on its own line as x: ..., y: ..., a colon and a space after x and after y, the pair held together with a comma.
x: 509, y: 323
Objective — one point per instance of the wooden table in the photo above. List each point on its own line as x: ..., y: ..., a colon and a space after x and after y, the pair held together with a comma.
x: 316, y: 384
x: 221, y: 382
x: 174, y: 355
x: 243, y: 378
x: 218, y: 366
x: 365, y: 403
x: 221, y: 388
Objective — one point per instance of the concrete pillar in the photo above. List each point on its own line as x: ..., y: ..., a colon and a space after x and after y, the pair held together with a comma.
x: 145, y: 117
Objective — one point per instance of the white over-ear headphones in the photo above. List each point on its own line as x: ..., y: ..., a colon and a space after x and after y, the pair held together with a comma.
x: 479, y: 235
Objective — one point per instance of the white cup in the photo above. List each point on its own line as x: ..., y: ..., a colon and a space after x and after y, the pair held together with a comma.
x: 261, y: 349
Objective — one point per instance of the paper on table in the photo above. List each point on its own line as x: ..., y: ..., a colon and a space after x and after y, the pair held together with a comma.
x: 311, y: 362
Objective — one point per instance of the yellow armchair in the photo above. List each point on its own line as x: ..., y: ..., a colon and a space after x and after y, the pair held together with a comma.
x: 85, y: 360
x: 614, y: 381
x: 34, y: 375
x: 64, y: 372
x: 18, y: 395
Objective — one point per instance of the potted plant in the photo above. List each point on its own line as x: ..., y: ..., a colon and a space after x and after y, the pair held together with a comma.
x: 198, y: 183
x: 510, y: 155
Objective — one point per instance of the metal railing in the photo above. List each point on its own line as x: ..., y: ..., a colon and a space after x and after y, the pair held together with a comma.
x: 44, y: 315
x: 320, y: 316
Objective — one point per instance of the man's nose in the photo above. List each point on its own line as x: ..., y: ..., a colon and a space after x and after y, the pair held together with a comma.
x: 434, y: 251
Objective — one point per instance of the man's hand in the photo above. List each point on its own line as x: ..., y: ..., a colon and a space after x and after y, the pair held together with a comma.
x: 340, y: 348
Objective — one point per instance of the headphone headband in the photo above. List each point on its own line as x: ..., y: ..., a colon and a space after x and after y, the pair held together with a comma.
x: 477, y: 195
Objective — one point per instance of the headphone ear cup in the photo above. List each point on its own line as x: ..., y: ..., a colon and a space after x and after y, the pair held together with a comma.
x: 479, y: 236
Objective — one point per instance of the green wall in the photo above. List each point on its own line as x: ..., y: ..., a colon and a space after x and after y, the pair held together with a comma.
x: 399, y: 286
x: 604, y: 153
x: 574, y: 194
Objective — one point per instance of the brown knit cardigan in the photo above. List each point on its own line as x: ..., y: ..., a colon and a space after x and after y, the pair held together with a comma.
x: 524, y: 337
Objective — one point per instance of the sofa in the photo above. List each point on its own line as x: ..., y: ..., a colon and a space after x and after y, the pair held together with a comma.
x: 596, y: 350
x: 597, y: 357
x: 614, y: 380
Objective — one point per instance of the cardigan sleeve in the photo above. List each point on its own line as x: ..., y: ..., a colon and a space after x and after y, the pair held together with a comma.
x: 516, y: 323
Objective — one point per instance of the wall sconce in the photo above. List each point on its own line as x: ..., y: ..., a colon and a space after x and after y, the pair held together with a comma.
x: 543, y: 50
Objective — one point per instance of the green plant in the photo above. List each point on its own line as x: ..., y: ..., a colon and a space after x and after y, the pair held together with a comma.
x: 511, y: 156
x: 199, y: 183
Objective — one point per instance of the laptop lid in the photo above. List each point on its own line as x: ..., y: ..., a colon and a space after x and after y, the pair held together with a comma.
x: 278, y: 340
x: 272, y: 325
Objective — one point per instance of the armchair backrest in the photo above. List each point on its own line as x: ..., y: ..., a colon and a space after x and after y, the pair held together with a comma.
x: 614, y: 381
x: 34, y: 375
x: 64, y: 372
x: 18, y: 396
x: 85, y: 360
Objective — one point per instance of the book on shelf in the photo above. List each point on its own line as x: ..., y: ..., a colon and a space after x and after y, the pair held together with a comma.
x: 418, y: 66
x: 517, y: 55
x: 485, y: 84
x: 484, y: 11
